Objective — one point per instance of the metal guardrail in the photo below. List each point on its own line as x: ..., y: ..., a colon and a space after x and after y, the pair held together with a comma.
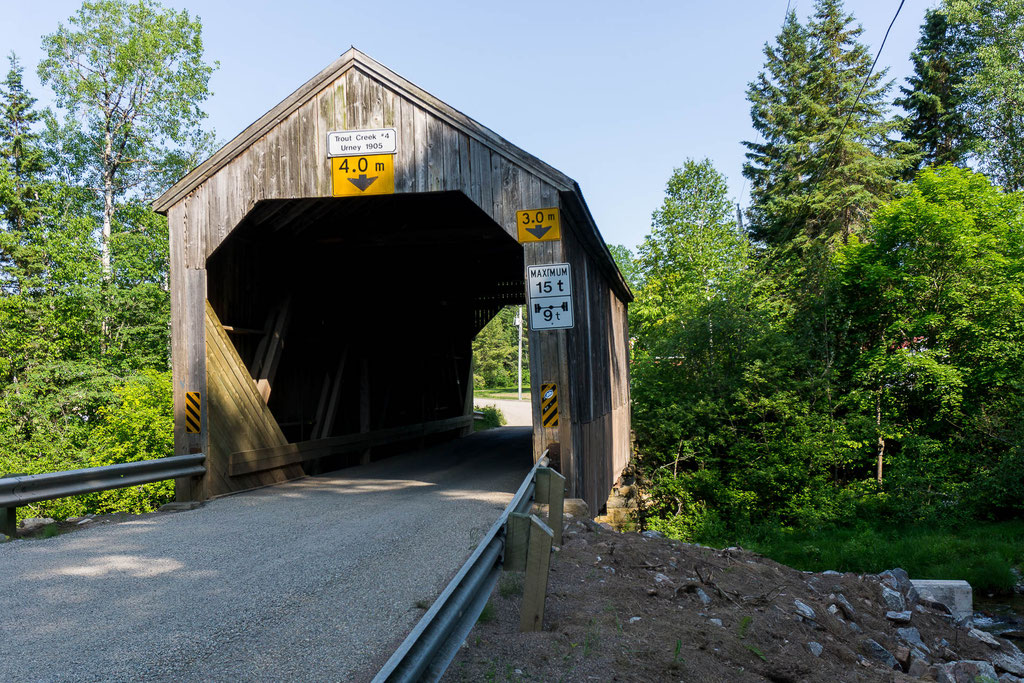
x: 20, y: 490
x: 430, y: 647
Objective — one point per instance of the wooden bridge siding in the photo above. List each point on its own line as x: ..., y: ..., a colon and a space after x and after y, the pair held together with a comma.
x: 290, y: 161
x: 599, y: 377
x: 239, y: 418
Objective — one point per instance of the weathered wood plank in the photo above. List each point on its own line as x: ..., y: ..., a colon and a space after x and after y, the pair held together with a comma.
x: 535, y: 589
x: 195, y: 338
x: 374, y: 93
x: 498, y: 197
x: 392, y: 113
x: 353, y: 101
x: 405, y: 160
x: 307, y: 158
x: 179, y: 348
x: 324, y: 125
x: 435, y: 155
x: 477, y: 158
x: 340, y: 103
x: 272, y: 164
x: 240, y: 383
x: 465, y: 167
x: 452, y: 159
x: 420, y: 145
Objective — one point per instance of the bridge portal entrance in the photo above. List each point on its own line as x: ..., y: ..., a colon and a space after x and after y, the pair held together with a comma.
x: 312, y: 330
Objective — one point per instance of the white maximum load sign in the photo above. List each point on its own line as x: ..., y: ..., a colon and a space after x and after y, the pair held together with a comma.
x: 550, y: 296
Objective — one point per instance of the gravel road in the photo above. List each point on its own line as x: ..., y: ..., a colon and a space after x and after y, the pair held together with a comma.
x: 314, y: 580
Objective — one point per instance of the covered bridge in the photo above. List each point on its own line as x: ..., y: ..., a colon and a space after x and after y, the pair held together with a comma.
x: 331, y: 265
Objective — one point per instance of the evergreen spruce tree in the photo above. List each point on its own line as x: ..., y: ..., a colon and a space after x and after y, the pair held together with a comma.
x: 777, y: 107
x: 826, y: 161
x: 21, y: 173
x: 936, y: 122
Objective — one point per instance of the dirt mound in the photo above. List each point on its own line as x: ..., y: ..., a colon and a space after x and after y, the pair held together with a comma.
x: 628, y: 607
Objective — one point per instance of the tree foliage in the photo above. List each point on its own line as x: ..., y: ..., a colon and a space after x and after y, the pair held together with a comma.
x: 84, y: 310
x: 496, y: 352
x: 739, y: 420
x: 993, y: 81
x: 132, y: 80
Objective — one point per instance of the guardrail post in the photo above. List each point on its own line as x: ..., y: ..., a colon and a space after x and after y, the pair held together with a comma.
x: 517, y: 537
x: 9, y: 521
x: 535, y: 590
x: 9, y: 515
x: 551, y: 491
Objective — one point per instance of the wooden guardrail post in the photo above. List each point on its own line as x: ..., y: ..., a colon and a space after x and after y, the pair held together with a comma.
x: 551, y: 492
x: 517, y: 538
x: 535, y: 590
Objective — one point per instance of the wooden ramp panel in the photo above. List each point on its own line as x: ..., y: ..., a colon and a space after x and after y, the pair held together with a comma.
x: 239, y: 419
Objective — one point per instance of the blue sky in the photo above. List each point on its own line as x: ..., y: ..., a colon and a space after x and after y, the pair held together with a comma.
x: 613, y: 94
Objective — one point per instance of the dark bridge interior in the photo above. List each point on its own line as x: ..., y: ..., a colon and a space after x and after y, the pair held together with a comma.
x: 357, y: 314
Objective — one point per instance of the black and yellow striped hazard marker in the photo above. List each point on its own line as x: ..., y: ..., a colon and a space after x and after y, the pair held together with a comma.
x: 549, y: 405
x: 192, y: 412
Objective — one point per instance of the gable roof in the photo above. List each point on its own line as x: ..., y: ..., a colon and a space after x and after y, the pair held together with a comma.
x: 354, y: 59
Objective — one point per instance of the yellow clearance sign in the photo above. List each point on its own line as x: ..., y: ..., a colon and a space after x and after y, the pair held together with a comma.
x: 539, y: 225
x: 361, y: 175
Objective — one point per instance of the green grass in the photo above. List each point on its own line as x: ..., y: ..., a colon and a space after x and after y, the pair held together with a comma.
x: 511, y: 392
x: 487, y: 615
x: 982, y: 553
x: 510, y: 584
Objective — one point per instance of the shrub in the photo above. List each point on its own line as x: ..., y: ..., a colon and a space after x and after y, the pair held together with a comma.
x: 493, y: 417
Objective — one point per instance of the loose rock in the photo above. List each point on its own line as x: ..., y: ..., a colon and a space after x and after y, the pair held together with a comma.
x: 1013, y: 665
x: 893, y: 599
x: 966, y: 671
x: 912, y: 636
x: 918, y: 668
x: 815, y: 648
x: 845, y: 605
x: 985, y: 637
x: 804, y: 610
x: 899, y: 617
x: 875, y: 651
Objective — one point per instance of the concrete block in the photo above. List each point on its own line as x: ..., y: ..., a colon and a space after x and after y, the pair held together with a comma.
x: 954, y: 594
x: 577, y: 507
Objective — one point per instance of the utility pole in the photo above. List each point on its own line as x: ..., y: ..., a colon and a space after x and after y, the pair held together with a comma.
x: 519, y: 326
